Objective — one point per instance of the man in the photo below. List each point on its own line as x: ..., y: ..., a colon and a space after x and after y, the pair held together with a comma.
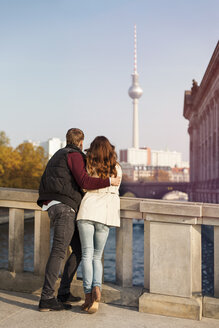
x: 60, y: 193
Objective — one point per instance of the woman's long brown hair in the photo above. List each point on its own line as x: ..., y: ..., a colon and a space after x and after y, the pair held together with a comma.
x: 101, y: 158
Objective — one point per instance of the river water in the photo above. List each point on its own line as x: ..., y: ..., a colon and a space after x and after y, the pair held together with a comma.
x: 109, y: 255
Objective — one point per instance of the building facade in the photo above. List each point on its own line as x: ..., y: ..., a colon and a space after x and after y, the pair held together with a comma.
x: 154, y: 173
x: 52, y: 145
x: 148, y: 157
x: 166, y: 158
x: 201, y: 108
x: 136, y: 156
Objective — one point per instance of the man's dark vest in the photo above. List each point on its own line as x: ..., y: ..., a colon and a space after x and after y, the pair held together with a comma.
x: 58, y: 183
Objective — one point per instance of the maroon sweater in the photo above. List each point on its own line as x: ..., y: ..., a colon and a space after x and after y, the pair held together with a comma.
x: 78, y: 170
x: 77, y: 166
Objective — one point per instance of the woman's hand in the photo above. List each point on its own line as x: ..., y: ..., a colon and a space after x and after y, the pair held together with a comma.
x: 115, y: 181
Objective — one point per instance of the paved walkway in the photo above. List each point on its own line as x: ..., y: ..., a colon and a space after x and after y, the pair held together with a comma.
x: 19, y: 310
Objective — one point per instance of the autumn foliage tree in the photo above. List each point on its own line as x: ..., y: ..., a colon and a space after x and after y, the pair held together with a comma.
x: 21, y: 167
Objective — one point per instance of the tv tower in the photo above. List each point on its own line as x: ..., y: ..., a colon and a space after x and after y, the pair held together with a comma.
x: 135, y: 92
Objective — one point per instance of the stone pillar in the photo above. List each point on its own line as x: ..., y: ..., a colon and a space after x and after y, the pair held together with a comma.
x: 216, y: 261
x: 211, y: 113
x: 200, y: 150
x: 208, y: 146
x: 124, y: 242
x: 197, y: 151
x: 214, y: 155
x: 205, y: 147
x: 216, y: 97
x: 16, y: 240
x: 175, y: 259
x: 191, y: 153
x: 174, y: 281
x: 146, y: 254
x: 203, y: 152
x: 41, y: 241
x: 194, y: 156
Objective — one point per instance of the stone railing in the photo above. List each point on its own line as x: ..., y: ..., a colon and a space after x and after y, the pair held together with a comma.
x: 172, y: 253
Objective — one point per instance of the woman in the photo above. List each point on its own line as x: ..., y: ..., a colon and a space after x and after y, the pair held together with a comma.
x: 99, y: 210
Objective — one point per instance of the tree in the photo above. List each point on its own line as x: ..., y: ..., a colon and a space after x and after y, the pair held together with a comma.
x: 33, y: 162
x: 21, y: 167
x: 4, y: 140
x: 10, y: 162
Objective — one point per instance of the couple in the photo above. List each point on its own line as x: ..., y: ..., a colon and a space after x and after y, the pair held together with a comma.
x: 81, y: 221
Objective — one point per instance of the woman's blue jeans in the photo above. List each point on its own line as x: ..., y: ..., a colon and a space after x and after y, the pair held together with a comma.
x: 93, y: 236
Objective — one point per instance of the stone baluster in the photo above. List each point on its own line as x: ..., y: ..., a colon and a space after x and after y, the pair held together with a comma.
x: 16, y: 240
x: 41, y: 241
x: 146, y: 254
x: 124, y: 242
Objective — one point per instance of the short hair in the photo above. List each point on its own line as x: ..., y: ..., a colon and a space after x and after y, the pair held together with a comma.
x: 74, y: 136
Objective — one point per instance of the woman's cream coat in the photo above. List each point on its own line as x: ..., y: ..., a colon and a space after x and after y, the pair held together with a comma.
x: 102, y: 205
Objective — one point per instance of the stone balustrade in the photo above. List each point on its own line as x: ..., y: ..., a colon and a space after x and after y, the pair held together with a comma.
x: 172, y: 252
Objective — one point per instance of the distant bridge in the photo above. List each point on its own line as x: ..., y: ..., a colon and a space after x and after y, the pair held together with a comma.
x: 155, y: 190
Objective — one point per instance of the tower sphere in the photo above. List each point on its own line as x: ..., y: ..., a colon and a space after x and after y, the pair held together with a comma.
x: 135, y: 91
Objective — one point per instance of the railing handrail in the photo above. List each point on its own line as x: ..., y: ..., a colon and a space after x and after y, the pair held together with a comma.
x: 130, y: 207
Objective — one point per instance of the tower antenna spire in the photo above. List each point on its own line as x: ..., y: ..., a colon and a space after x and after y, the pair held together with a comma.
x: 135, y: 50
x: 135, y: 92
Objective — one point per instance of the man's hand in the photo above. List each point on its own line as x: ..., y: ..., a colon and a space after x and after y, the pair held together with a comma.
x: 115, y: 181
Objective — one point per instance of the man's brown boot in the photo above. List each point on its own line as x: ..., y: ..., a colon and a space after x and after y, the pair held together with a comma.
x: 88, y: 302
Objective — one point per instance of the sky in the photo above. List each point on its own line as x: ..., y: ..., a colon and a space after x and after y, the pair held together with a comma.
x: 68, y: 63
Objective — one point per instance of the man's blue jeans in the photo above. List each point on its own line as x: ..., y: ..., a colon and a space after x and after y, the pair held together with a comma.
x: 93, y: 236
x: 65, y: 233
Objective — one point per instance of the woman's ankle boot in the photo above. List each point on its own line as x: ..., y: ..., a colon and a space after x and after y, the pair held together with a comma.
x: 96, y: 296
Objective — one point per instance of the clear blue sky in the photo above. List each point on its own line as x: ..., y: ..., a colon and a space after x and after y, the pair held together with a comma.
x: 68, y: 63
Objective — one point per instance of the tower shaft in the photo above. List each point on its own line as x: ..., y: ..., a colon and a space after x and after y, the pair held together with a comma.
x: 135, y: 136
